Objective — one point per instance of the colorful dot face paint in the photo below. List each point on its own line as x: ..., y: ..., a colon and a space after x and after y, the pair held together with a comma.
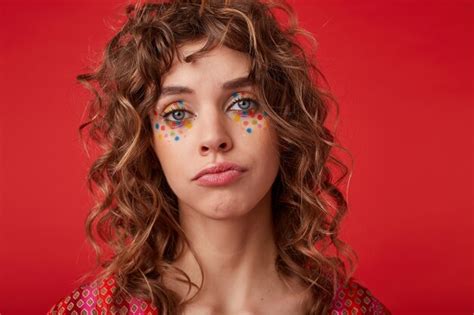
x: 173, y: 123
x: 176, y: 120
x: 249, y: 116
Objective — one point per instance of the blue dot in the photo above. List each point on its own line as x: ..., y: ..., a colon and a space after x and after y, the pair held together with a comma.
x: 157, y: 126
x: 249, y: 130
x: 176, y: 138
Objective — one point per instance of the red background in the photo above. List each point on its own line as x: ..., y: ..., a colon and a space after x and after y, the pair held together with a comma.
x: 402, y: 72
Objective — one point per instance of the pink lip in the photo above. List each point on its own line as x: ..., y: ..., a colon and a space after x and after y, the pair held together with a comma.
x: 220, y: 174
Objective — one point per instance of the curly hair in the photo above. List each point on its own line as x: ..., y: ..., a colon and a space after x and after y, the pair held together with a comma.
x: 134, y: 225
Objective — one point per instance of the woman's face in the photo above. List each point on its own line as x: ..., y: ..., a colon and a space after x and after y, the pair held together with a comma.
x: 209, y: 114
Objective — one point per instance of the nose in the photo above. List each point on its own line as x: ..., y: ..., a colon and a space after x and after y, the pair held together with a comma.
x: 214, y: 133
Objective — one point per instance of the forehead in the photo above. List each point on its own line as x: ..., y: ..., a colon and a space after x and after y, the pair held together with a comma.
x: 219, y: 64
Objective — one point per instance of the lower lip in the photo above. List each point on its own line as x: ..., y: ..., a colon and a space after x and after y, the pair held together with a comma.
x: 219, y: 179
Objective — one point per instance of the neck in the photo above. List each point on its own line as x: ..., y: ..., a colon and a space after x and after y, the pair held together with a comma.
x: 237, y: 255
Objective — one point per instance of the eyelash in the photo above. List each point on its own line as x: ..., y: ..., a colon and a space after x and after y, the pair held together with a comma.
x: 249, y: 99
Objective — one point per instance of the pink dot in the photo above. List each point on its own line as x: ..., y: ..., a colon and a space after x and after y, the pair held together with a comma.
x: 162, y: 127
x: 246, y: 123
x: 259, y: 126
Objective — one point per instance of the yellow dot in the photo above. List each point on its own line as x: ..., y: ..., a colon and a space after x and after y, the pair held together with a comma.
x: 188, y: 124
x: 236, y: 117
x: 160, y: 137
x: 254, y: 122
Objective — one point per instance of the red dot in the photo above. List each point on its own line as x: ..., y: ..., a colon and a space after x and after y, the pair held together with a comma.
x: 252, y: 113
x: 246, y: 123
x: 259, y: 117
x: 162, y: 127
x: 154, y: 112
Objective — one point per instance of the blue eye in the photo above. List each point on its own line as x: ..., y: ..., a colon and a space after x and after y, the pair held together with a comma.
x: 243, y: 104
x: 178, y: 115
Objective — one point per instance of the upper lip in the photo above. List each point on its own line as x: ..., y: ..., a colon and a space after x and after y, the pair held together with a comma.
x: 218, y: 168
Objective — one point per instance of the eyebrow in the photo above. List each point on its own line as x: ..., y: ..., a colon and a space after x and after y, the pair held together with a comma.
x: 229, y: 85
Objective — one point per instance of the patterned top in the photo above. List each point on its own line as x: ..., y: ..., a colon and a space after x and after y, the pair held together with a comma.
x: 96, y: 298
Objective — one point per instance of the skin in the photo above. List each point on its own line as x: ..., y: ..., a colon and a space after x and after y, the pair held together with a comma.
x: 230, y: 227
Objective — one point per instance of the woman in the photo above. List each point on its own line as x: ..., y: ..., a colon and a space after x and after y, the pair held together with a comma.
x: 215, y: 193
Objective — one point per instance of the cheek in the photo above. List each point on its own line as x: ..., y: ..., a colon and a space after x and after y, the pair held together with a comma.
x: 169, y: 131
x: 251, y: 121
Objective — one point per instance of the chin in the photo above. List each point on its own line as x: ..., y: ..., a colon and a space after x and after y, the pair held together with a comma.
x: 220, y: 207
x: 225, y: 207
x: 224, y: 212
x: 224, y: 204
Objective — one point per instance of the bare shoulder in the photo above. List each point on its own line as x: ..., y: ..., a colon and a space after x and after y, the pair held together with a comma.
x: 96, y: 298
x: 354, y: 298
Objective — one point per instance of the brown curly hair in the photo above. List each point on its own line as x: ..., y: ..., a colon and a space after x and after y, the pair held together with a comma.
x: 134, y: 227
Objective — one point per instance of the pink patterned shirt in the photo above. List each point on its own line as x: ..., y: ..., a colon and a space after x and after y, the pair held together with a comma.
x: 96, y: 298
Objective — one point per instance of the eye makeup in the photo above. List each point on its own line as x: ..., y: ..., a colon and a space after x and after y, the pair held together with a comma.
x: 176, y: 120
x: 249, y: 117
x: 169, y: 124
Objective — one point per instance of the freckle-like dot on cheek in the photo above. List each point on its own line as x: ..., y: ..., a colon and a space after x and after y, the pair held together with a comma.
x: 155, y: 113
x: 166, y: 135
x: 259, y: 117
x: 162, y: 127
x: 259, y: 126
x: 157, y: 126
x: 176, y: 138
x: 254, y: 122
x: 246, y: 123
x: 249, y: 130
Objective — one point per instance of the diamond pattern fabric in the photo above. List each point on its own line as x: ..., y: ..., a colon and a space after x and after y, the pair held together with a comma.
x: 96, y: 299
